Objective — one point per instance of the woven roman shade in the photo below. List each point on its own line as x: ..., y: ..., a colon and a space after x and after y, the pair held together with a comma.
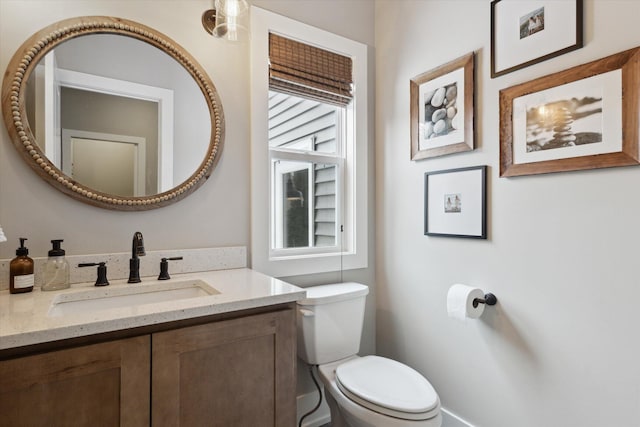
x: 299, y: 69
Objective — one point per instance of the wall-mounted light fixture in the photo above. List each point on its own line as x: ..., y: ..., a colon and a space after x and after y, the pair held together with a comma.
x: 3, y: 238
x: 227, y: 20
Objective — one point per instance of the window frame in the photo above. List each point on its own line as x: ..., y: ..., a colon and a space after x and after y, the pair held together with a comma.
x: 276, y: 252
x: 311, y: 157
x: 277, y: 202
x: 351, y: 251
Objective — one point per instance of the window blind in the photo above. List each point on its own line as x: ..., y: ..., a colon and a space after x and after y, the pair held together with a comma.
x: 300, y: 69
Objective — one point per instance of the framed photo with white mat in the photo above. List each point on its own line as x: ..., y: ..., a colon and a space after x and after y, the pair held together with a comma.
x: 455, y: 202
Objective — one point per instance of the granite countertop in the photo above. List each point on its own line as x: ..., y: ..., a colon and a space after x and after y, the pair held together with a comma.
x: 25, y: 319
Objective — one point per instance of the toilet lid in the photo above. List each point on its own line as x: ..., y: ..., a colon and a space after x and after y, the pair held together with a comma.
x: 389, y: 387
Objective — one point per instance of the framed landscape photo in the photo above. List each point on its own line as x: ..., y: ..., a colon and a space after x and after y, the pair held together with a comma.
x: 442, y: 116
x: 455, y: 203
x: 573, y: 120
x: 525, y: 32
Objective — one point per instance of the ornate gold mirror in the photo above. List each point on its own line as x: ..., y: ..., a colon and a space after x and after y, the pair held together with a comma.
x: 113, y: 113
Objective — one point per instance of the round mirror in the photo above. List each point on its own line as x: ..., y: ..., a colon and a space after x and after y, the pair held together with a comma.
x: 113, y: 113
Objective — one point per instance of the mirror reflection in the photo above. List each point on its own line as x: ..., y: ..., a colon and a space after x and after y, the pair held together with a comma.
x: 118, y: 115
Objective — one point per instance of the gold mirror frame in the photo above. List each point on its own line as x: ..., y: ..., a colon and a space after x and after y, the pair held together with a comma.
x: 27, y: 57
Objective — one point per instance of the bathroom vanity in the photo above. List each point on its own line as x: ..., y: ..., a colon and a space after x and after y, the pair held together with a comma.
x: 222, y: 358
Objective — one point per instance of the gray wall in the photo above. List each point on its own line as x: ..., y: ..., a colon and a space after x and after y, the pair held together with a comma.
x: 561, y: 348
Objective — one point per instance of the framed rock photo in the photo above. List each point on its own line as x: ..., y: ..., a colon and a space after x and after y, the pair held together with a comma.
x: 442, y: 109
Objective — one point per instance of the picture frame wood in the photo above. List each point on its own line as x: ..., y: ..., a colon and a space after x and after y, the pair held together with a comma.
x: 455, y: 203
x: 526, y: 33
x: 575, y: 119
x: 442, y: 109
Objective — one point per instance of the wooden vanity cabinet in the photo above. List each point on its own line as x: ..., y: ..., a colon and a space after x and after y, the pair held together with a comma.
x: 104, y: 384
x: 237, y: 371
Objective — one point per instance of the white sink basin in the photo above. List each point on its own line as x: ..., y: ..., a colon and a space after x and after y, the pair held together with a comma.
x: 107, y: 298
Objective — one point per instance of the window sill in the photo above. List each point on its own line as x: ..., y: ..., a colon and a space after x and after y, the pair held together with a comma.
x: 295, y: 265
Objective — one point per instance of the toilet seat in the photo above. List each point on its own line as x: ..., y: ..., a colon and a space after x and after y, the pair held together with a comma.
x: 388, y: 387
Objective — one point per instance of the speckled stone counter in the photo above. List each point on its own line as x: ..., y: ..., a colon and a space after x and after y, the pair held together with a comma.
x: 25, y: 319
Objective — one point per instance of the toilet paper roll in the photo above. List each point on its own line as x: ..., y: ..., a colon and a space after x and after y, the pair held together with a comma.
x: 460, y: 302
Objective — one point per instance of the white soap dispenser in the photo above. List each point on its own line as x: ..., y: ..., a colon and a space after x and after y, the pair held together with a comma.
x: 56, y: 269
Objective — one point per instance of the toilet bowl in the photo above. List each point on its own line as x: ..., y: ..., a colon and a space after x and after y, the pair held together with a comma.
x: 369, y: 391
x: 378, y: 392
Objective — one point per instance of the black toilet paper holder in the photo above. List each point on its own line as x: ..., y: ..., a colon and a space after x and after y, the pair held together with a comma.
x: 489, y: 299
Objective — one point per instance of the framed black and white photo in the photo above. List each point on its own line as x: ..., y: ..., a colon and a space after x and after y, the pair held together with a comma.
x: 524, y: 33
x: 442, y: 109
x: 572, y: 120
x: 455, y: 203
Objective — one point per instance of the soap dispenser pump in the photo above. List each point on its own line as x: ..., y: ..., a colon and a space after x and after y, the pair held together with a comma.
x: 56, y: 269
x: 21, y: 276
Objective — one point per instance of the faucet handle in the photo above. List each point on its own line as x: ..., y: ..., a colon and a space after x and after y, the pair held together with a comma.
x: 102, y: 272
x: 164, y: 267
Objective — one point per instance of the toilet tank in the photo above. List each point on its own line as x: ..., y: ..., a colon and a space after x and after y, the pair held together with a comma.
x: 330, y: 322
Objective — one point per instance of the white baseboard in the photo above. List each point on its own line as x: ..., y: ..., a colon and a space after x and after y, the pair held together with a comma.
x: 307, y: 402
x: 449, y: 419
x: 322, y: 416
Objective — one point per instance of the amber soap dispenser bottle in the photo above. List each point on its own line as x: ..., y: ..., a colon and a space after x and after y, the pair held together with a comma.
x: 21, y: 271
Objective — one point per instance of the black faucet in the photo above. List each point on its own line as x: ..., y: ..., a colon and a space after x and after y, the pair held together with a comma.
x: 164, y: 267
x: 102, y: 272
x: 137, y: 249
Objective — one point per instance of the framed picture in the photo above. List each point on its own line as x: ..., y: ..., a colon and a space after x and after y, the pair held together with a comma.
x: 455, y: 203
x: 442, y: 109
x: 573, y: 120
x: 524, y: 33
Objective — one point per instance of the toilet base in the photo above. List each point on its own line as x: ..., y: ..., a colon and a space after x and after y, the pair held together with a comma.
x: 346, y: 413
x: 337, y: 420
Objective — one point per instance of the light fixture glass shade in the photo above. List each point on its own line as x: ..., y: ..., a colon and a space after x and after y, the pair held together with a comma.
x: 229, y: 20
x: 231, y: 28
x: 231, y: 8
x: 3, y: 238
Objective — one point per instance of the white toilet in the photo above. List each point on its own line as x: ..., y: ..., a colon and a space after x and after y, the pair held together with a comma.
x: 369, y: 391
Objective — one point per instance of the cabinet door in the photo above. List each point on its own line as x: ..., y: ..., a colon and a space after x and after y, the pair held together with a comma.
x: 232, y: 373
x: 104, y: 384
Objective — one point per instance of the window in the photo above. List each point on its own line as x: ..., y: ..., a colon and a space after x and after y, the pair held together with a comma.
x: 309, y: 150
x: 306, y: 157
